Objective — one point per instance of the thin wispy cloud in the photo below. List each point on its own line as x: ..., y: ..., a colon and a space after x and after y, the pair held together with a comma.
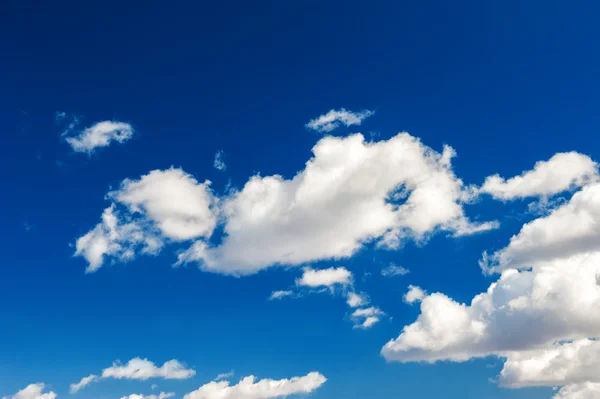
x: 219, y: 162
x: 335, y: 118
x: 99, y: 135
x: 394, y: 270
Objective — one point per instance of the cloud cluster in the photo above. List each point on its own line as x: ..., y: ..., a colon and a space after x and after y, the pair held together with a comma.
x: 334, y: 118
x: 33, y: 391
x: 162, y: 395
x: 101, y: 134
x: 138, y: 369
x: 249, y: 388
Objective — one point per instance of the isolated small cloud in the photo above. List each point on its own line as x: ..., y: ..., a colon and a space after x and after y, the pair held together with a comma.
x: 414, y: 294
x: 334, y: 118
x: 280, y: 294
x: 162, y: 395
x: 394, y: 270
x: 33, y: 391
x: 85, y: 381
x: 355, y: 300
x: 249, y: 388
x: 219, y: 162
x: 59, y: 116
x: 102, y: 134
x: 225, y: 375
x: 325, y: 277
x: 366, y: 318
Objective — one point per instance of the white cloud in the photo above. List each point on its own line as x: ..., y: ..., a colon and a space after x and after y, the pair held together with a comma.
x: 225, y: 375
x: 162, y: 395
x: 162, y: 205
x: 33, y: 391
x: 280, y: 294
x: 586, y: 390
x: 572, y: 228
x: 83, y: 383
x: 248, y: 388
x: 350, y: 193
x: 100, y: 135
x: 334, y: 118
x: 562, y: 172
x: 355, y: 300
x: 219, y: 162
x: 414, y: 294
x: 367, y: 317
x: 138, y: 369
x: 325, y: 277
x: 394, y: 270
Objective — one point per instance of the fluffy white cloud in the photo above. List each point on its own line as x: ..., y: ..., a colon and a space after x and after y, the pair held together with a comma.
x: 325, y: 277
x: 394, y: 270
x: 414, y: 294
x: 355, y: 300
x: 219, y: 162
x: 138, y: 369
x: 561, y: 172
x: 248, y: 388
x: 100, y: 135
x: 367, y: 317
x: 162, y: 205
x: 351, y: 192
x: 162, y: 395
x: 280, y: 294
x: 572, y: 228
x: 334, y: 118
x: 33, y: 391
x: 559, y: 364
x: 586, y: 390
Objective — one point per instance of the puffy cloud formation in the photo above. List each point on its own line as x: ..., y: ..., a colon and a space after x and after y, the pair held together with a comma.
x: 351, y: 192
x: 219, y: 162
x: 586, y: 390
x: 414, y: 294
x: 355, y: 300
x: 32, y: 391
x: 267, y: 388
x: 367, y: 317
x: 162, y: 205
x: 162, y: 395
x: 572, y: 228
x: 100, y: 135
x: 138, y: 369
x: 334, y: 118
x: 325, y: 277
x: 394, y: 270
x: 561, y: 172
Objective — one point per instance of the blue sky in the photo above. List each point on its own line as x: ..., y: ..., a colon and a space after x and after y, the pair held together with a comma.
x: 96, y: 97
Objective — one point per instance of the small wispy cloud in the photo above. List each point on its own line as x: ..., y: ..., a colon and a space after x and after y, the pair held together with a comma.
x: 336, y: 117
x: 280, y: 294
x: 394, y: 270
x: 219, y: 162
x: 225, y: 375
x: 59, y: 116
x: 102, y: 134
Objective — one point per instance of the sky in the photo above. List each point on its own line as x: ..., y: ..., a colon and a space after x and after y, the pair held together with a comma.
x: 334, y: 200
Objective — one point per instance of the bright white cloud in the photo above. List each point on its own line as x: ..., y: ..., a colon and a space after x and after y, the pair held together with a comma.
x: 351, y: 192
x: 572, y: 228
x: 586, y: 390
x: 138, y: 369
x: 162, y: 205
x: 414, y: 294
x: 99, y: 135
x: 162, y: 395
x: 334, y: 118
x: 367, y: 317
x: 219, y: 162
x: 325, y: 277
x: 280, y: 294
x: 248, y: 388
x: 33, y: 391
x: 355, y: 300
x: 562, y: 172
x: 394, y: 270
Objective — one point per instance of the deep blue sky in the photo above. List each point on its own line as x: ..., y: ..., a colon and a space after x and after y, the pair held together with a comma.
x: 505, y: 83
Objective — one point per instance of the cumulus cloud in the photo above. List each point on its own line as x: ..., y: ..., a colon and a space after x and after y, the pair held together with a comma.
x: 102, y: 134
x: 355, y: 300
x: 138, y: 369
x: 334, y: 118
x: 368, y: 317
x: 219, y: 162
x: 350, y: 193
x: 325, y: 277
x: 280, y: 294
x: 562, y: 172
x: 248, y: 388
x: 586, y: 390
x: 33, y: 391
x: 572, y: 228
x: 394, y: 270
x: 162, y: 395
x: 164, y: 205
x: 414, y: 294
